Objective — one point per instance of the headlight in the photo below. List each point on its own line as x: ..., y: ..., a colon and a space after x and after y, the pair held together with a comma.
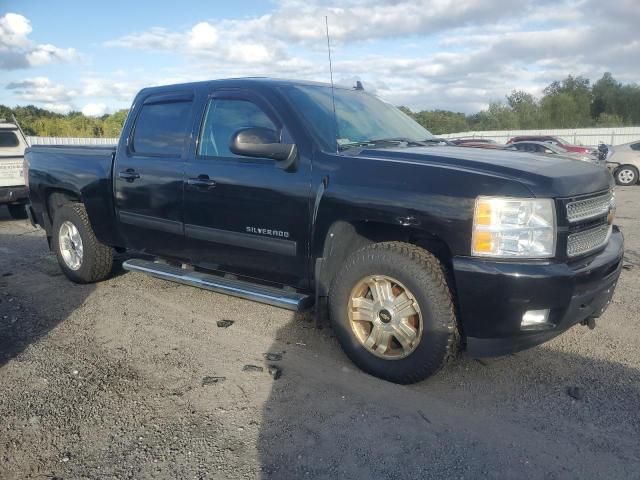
x: 514, y: 227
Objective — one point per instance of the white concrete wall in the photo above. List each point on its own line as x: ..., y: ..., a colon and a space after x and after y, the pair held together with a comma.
x: 579, y: 136
x: 71, y: 141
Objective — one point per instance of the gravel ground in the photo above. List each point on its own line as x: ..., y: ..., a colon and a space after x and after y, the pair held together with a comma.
x: 133, y: 378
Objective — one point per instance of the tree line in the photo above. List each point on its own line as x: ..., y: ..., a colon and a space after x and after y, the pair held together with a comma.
x: 570, y: 103
x: 44, y: 123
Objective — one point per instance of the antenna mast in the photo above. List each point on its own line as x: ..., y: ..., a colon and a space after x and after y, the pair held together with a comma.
x: 333, y: 95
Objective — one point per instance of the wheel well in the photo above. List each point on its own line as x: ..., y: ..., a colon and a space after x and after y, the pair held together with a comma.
x: 56, y: 199
x: 344, y: 238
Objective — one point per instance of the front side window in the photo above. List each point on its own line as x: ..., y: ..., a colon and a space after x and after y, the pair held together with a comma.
x: 635, y: 146
x: 8, y: 139
x: 161, y: 128
x: 223, y: 118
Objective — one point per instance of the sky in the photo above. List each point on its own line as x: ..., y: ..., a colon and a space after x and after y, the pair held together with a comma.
x: 440, y: 54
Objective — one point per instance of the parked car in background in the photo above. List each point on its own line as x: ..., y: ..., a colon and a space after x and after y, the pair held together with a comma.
x: 624, y: 163
x: 553, y: 141
x: 13, y: 190
x: 489, y: 145
x: 551, y: 149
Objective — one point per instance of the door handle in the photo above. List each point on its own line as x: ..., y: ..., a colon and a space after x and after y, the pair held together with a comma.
x: 129, y: 175
x: 201, y: 181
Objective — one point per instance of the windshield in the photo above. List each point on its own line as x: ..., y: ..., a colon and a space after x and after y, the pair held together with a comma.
x: 361, y: 117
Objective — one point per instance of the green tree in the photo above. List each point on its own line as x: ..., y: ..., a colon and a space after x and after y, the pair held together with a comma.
x: 567, y: 103
x: 497, y: 117
x: 526, y: 108
x: 112, y: 124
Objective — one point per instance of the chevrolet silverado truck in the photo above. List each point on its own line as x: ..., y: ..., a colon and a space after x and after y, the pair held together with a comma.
x: 296, y: 193
x: 13, y: 192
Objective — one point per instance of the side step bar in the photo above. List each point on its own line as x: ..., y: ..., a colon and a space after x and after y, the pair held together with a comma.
x: 238, y: 288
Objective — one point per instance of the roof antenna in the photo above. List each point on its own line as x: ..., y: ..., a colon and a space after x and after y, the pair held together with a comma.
x: 333, y: 95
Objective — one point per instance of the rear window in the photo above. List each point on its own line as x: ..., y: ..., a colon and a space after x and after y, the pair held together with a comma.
x: 161, y: 128
x: 8, y: 139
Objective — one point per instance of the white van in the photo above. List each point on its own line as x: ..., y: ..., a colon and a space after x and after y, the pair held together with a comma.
x: 13, y: 191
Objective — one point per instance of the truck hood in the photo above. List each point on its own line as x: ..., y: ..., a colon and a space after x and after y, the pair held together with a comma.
x: 544, y: 176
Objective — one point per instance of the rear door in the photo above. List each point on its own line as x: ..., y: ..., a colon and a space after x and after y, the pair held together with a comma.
x: 245, y: 215
x: 148, y: 174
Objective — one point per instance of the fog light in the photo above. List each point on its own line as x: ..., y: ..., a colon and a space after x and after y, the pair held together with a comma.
x: 533, y: 318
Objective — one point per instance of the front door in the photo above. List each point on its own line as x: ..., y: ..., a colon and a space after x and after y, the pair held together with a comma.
x: 149, y: 175
x: 245, y: 215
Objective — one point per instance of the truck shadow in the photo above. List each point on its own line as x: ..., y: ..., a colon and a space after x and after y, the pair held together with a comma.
x: 28, y: 273
x: 511, y: 417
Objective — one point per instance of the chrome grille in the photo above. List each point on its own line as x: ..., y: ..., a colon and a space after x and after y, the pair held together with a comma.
x: 587, y: 240
x: 588, y: 208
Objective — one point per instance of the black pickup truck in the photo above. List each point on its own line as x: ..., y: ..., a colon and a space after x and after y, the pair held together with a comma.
x: 295, y: 193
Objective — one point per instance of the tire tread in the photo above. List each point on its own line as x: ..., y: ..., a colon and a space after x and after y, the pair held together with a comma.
x: 427, y: 270
x: 99, y: 256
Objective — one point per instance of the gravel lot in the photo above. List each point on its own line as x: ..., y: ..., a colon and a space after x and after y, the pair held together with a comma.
x: 133, y: 378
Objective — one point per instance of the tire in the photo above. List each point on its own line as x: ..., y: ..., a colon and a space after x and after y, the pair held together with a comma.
x: 17, y: 212
x: 626, y: 175
x: 96, y: 259
x: 414, y: 270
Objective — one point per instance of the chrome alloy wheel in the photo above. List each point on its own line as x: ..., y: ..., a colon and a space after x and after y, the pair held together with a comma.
x: 626, y: 176
x: 70, y: 245
x: 385, y: 317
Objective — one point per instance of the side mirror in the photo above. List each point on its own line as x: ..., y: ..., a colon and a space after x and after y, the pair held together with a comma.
x: 265, y: 143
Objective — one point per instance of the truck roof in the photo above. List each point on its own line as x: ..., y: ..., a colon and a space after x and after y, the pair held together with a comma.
x: 8, y: 126
x: 246, y: 81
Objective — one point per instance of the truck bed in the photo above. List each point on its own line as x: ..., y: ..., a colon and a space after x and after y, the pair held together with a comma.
x: 84, y: 170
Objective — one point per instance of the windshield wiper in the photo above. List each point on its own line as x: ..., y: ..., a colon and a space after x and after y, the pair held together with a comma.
x: 382, y: 142
x: 370, y: 143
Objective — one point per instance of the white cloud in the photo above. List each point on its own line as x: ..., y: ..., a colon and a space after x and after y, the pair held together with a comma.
x: 58, y: 107
x: 42, y: 90
x: 14, y: 30
x: 203, y: 36
x: 153, y: 39
x: 94, y: 109
x: 451, y: 54
x: 17, y: 51
x: 44, y: 54
x: 105, y: 87
x: 358, y: 20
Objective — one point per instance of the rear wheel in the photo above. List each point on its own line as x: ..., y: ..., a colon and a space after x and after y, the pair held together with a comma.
x: 626, y: 175
x: 81, y: 256
x: 17, y: 212
x: 392, y: 312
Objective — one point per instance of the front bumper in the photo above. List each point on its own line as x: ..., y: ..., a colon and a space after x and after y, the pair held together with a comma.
x: 493, y: 296
x: 18, y: 194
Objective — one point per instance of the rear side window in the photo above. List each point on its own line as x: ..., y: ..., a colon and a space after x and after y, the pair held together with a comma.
x: 8, y: 139
x: 161, y: 128
x: 635, y: 146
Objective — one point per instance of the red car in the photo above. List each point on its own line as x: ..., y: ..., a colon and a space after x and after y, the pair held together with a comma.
x: 553, y: 141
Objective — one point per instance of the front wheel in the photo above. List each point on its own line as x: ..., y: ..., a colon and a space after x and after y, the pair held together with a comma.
x: 81, y: 256
x: 626, y: 175
x: 392, y: 312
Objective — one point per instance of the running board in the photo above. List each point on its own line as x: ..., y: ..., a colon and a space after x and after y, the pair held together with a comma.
x: 238, y: 288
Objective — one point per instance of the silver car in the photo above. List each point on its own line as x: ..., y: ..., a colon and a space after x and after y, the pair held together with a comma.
x: 624, y: 163
x: 547, y: 148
